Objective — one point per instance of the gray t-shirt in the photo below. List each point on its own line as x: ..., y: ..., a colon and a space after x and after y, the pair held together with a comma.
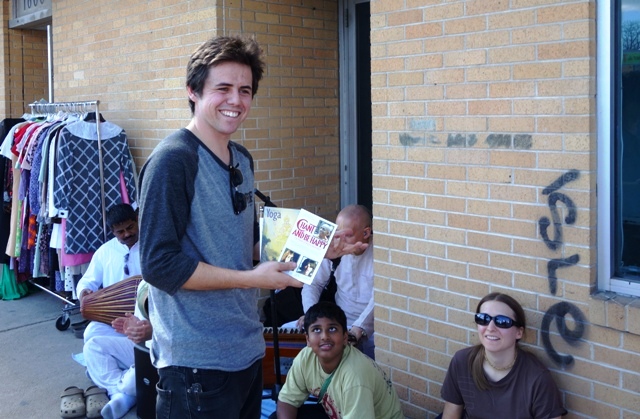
x: 187, y: 217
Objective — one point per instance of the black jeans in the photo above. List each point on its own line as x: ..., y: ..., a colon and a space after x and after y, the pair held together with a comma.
x: 189, y: 393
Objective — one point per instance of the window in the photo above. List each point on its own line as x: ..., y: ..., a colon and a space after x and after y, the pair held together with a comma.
x: 618, y: 102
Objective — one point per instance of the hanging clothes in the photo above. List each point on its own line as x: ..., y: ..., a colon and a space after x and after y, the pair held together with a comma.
x: 77, y: 182
x: 53, y: 185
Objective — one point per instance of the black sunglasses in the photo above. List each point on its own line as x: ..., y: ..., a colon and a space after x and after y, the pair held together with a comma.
x: 237, y: 198
x: 503, y: 322
x: 126, y: 264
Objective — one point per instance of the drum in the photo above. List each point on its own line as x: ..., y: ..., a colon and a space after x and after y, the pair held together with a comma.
x: 108, y: 303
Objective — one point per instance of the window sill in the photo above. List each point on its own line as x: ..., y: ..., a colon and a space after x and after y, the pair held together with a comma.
x: 615, y: 311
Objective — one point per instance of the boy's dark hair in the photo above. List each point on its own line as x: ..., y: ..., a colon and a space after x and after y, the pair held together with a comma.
x: 120, y: 213
x: 222, y: 49
x: 327, y: 310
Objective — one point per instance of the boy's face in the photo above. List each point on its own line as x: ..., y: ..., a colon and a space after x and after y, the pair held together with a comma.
x: 327, y: 339
x: 225, y: 100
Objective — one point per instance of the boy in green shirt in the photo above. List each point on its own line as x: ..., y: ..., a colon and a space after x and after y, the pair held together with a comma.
x: 347, y: 383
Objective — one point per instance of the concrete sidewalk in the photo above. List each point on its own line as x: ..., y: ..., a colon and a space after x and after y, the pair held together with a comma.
x: 36, y: 361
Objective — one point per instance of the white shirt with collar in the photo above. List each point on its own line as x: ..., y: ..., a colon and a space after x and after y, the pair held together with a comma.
x: 107, y: 266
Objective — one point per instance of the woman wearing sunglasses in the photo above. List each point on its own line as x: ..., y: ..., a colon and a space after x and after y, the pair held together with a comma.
x: 497, y: 378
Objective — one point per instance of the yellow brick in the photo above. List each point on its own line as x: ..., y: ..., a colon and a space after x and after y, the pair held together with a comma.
x: 580, y: 106
x: 580, y: 30
x: 511, y: 124
x: 445, y: 235
x: 407, y: 109
x: 589, y: 407
x: 445, y: 43
x: 566, y: 124
x: 387, y: 64
x: 446, y: 108
x: 488, y: 39
x: 489, y: 174
x: 490, y: 107
x: 491, y: 275
x: 467, y: 189
x: 468, y: 255
x: 420, y: 62
x: 537, y: 71
x: 514, y: 227
x: 424, y: 30
x: 512, y: 54
x: 616, y: 397
x: 566, y: 12
x: 512, y: 89
x: 387, y: 34
x: 442, y: 11
x: 537, y: 106
x: 566, y: 50
x: 488, y: 73
x: 481, y: 7
x: 566, y: 87
x: 489, y: 208
x: 466, y: 124
x: 426, y: 248
x: 575, y: 68
x: 446, y: 203
x: 537, y: 34
x: 465, y: 25
x: 465, y: 58
x: 468, y: 222
x: 445, y: 76
x: 467, y: 91
x: 404, y: 17
x: 404, y: 79
x: 424, y: 93
x: 512, y: 19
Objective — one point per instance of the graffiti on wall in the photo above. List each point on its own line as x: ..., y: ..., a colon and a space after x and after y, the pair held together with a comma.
x: 465, y: 140
x: 554, y: 242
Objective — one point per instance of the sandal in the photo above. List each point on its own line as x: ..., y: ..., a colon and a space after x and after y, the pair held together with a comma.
x: 72, y: 403
x: 95, y: 399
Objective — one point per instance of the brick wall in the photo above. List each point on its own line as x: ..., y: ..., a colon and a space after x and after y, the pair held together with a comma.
x: 482, y: 110
x: 23, y: 60
x: 132, y: 57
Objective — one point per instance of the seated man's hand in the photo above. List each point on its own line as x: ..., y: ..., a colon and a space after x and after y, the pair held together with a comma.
x: 137, y: 330
x: 339, y: 246
x: 300, y: 323
x: 118, y: 323
x: 355, y: 334
x: 83, y: 294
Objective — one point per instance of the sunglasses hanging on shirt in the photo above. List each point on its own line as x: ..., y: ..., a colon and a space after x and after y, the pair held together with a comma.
x: 237, y: 198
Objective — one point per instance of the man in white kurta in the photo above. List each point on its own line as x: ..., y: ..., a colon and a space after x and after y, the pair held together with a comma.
x: 117, y: 259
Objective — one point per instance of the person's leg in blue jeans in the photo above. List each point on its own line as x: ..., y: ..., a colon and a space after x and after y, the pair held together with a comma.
x: 192, y: 393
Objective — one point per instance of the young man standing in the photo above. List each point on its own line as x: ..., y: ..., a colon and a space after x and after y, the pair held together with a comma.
x: 347, y: 383
x: 201, y: 234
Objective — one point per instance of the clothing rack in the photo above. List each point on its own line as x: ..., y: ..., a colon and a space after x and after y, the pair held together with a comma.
x: 50, y: 108
x: 82, y: 107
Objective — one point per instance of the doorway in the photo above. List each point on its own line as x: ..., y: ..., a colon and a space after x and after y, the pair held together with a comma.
x: 355, y: 103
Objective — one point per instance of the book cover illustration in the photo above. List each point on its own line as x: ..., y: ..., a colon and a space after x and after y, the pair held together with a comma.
x: 307, y: 244
x: 275, y: 226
